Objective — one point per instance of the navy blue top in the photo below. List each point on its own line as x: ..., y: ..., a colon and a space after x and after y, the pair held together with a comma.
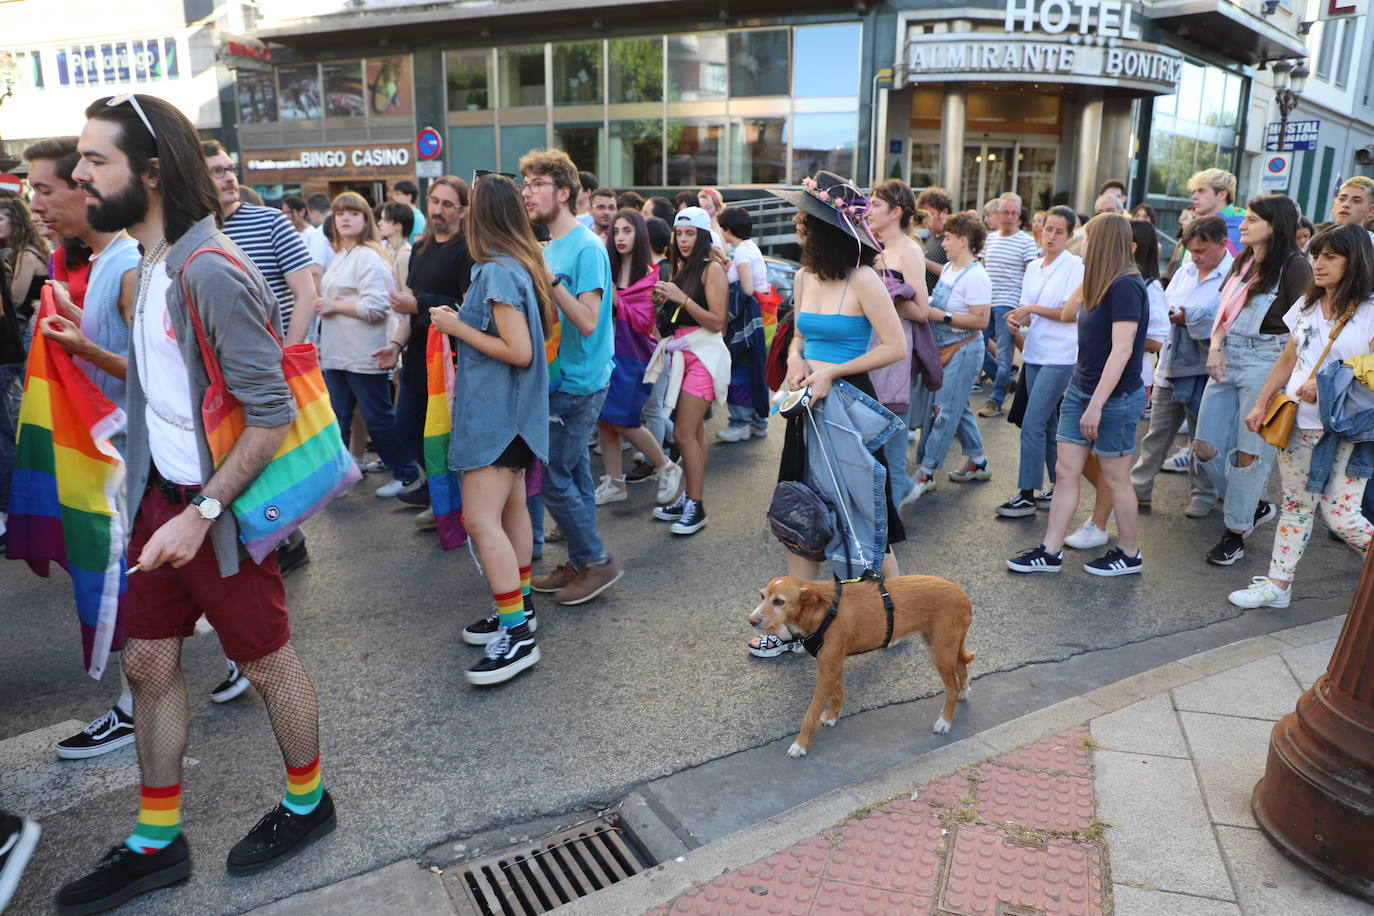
x: 1126, y: 300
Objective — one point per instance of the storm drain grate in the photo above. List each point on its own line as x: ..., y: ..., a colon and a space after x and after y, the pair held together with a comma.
x: 551, y: 871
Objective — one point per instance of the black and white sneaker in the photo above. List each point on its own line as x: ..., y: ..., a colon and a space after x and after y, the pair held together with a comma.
x: 108, y: 733
x: 233, y: 685
x: 508, y: 653
x: 1229, y: 549
x: 1265, y: 512
x: 1115, y: 563
x: 124, y: 874
x: 18, y: 837
x: 1017, y: 507
x: 1038, y: 560
x: 641, y: 472
x: 1044, y: 498
x: 485, y: 630
x: 673, y: 511
x: 692, y: 519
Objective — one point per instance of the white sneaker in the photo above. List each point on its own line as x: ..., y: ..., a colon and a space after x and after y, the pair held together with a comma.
x: 758, y: 432
x: 1178, y: 462
x: 733, y: 433
x: 1087, y: 537
x: 394, y: 487
x: 611, y: 490
x: 918, y: 489
x: 669, y: 483
x: 1261, y: 593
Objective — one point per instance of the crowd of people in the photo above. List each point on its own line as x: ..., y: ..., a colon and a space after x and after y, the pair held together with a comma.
x: 585, y: 321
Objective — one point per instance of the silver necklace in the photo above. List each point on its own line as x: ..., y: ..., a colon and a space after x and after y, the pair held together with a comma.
x: 145, y: 279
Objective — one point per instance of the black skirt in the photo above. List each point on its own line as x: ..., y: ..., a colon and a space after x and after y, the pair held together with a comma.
x: 793, y: 463
x: 517, y: 456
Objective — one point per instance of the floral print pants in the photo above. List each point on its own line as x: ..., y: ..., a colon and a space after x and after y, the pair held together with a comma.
x: 1340, y: 504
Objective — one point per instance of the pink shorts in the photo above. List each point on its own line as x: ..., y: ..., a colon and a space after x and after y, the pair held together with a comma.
x: 695, y: 379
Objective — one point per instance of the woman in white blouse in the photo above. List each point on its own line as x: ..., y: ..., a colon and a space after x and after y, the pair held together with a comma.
x: 353, y: 327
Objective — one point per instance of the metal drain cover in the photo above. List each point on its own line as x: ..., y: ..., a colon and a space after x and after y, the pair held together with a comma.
x: 551, y: 871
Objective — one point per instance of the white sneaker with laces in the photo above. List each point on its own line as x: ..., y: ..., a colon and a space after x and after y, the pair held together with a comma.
x: 733, y: 433
x: 611, y: 490
x: 395, y: 487
x: 1261, y: 593
x: 670, y: 480
x: 1178, y: 462
x: 1087, y: 537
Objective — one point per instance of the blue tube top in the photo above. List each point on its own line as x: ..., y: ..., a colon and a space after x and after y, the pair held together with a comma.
x: 833, y: 338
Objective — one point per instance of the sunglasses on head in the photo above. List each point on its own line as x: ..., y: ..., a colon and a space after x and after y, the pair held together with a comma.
x: 116, y: 101
x: 482, y: 173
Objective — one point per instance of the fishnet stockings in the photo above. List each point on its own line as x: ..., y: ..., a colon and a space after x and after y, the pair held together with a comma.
x: 281, y: 681
x: 153, y: 667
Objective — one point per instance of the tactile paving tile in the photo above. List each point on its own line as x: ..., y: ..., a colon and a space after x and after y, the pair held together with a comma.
x: 807, y: 857
x: 836, y: 899
x: 943, y: 793
x: 1034, y: 799
x: 1064, y: 751
x: 752, y: 890
x: 895, y: 852
x: 987, y: 871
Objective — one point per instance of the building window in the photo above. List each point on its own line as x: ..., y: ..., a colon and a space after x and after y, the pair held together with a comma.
x: 696, y: 153
x: 582, y: 143
x: 830, y: 56
x: 470, y: 149
x: 257, y: 94
x: 298, y: 92
x: 635, y: 153
x: 925, y: 165
x: 29, y: 66
x: 343, y: 90
x: 636, y: 70
x: 469, y: 77
x: 1194, y: 129
x: 823, y: 141
x: 1347, y: 51
x: 758, y: 152
x: 697, y: 66
x: 758, y: 63
x: 1326, y: 49
x: 577, y: 73
x: 388, y: 87
x: 521, y: 75
x: 516, y: 141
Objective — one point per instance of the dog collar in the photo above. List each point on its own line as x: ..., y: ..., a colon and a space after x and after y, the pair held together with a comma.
x: 813, y: 643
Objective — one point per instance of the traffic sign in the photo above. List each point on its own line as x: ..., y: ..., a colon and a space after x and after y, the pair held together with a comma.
x: 1275, y: 171
x: 11, y: 183
x: 1298, y: 135
x: 428, y: 144
x: 429, y: 168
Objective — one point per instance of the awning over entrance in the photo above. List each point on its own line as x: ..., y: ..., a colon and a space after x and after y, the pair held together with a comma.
x: 1227, y: 28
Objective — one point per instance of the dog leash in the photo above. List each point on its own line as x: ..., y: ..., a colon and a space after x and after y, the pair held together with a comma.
x: 813, y: 643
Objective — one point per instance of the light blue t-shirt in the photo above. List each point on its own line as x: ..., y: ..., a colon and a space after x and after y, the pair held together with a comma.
x: 100, y: 318
x: 417, y: 231
x: 580, y: 259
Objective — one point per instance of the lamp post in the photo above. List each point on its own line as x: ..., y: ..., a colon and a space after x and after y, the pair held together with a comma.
x: 1316, y: 799
x: 1289, y: 81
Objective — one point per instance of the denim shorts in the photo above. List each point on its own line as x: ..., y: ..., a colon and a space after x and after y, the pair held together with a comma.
x: 1115, y: 432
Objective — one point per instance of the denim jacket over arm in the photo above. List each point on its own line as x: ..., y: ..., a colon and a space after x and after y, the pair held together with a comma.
x: 1347, y: 409
x: 1199, y: 300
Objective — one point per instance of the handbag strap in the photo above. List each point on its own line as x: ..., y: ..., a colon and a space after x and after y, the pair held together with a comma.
x: 1335, y: 332
x: 207, y: 356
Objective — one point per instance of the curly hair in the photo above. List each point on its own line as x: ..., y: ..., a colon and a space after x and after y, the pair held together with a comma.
x: 970, y: 228
x: 829, y: 252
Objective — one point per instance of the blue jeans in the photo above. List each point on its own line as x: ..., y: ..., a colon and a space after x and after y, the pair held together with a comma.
x: 743, y: 415
x: 370, y: 393
x: 951, y: 414
x: 1115, y: 430
x: 408, y: 419
x: 1221, y: 424
x: 11, y: 393
x: 654, y: 415
x: 569, y: 494
x: 898, y: 477
x: 1046, y: 385
x: 999, y: 366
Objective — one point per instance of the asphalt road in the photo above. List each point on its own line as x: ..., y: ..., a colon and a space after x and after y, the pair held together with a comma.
x: 649, y: 680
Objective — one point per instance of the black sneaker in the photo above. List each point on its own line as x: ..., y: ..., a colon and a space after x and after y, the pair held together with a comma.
x: 108, y: 733
x: 672, y: 512
x: 290, y: 559
x: 485, y: 630
x: 1115, y: 563
x: 124, y: 874
x: 508, y: 653
x: 692, y: 519
x: 1043, y: 499
x: 233, y: 685
x: 641, y: 472
x: 1229, y: 549
x: 418, y: 497
x: 1265, y: 512
x: 1038, y: 560
x: 18, y: 837
x: 1017, y: 507
x: 280, y: 835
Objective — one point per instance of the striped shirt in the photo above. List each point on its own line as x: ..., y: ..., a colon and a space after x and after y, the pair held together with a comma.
x: 273, y: 245
x: 1005, y: 257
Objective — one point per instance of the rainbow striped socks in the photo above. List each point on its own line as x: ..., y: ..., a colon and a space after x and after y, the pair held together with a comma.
x: 159, y: 818
x: 510, y: 608
x: 525, y: 581
x: 303, y: 787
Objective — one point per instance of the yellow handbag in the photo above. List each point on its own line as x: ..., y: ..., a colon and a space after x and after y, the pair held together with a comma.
x: 1282, y: 412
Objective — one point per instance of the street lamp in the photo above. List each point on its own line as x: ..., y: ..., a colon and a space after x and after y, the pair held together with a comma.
x: 1289, y: 82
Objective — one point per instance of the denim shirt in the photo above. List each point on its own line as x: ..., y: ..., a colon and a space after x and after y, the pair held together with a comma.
x: 852, y: 427
x: 494, y: 401
x: 1347, y: 408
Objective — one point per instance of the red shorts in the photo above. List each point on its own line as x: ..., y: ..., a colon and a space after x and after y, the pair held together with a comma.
x: 247, y: 610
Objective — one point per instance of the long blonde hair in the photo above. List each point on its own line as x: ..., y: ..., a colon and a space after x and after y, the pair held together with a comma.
x: 498, y: 226
x: 371, y: 238
x: 1106, y: 255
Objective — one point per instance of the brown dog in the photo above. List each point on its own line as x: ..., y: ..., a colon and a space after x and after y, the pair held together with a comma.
x: 936, y: 608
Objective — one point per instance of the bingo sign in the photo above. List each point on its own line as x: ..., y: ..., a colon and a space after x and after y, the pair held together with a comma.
x: 428, y: 144
x: 1277, y: 167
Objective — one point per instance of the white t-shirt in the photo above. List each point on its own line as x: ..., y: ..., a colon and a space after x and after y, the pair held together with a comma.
x: 1050, y: 342
x: 1310, y: 333
x: 317, y: 245
x: 747, y: 252
x: 1006, y: 257
x: 168, y: 413
x: 973, y: 287
x: 1158, y: 329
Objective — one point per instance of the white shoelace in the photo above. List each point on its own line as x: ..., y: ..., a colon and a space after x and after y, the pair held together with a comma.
x: 500, y: 645
x: 104, y: 723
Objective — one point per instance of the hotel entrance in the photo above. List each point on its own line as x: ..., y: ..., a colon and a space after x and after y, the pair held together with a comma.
x: 995, y: 166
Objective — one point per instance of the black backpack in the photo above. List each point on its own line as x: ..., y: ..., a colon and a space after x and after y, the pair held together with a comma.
x: 800, y: 519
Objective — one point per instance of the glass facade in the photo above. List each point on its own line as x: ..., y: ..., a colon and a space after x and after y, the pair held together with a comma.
x: 1196, y: 128
x: 694, y: 109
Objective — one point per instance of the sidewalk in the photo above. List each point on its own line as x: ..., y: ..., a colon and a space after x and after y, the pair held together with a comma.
x: 1136, y: 803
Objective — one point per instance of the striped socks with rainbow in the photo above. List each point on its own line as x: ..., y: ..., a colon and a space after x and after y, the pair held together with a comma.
x: 303, y: 788
x: 510, y: 609
x: 525, y: 582
x: 159, y: 818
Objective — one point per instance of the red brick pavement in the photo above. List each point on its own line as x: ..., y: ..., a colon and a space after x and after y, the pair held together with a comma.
x: 1013, y: 836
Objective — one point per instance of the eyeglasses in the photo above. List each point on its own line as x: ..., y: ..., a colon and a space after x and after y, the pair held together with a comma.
x: 483, y: 173
x: 531, y: 187
x: 219, y: 171
x: 116, y: 101
x: 444, y: 204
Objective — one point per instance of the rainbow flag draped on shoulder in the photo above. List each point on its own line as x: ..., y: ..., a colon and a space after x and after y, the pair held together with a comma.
x: 67, y: 500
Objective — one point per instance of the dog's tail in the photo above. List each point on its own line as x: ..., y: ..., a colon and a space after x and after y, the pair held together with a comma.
x: 965, y: 656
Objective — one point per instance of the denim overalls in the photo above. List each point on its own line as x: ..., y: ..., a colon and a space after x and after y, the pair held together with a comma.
x: 946, y: 412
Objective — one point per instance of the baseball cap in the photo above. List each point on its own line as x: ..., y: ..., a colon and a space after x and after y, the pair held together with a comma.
x: 694, y: 217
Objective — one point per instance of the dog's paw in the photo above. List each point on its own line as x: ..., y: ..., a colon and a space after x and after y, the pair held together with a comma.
x: 964, y: 694
x: 829, y: 720
x: 796, y: 750
x: 941, y: 727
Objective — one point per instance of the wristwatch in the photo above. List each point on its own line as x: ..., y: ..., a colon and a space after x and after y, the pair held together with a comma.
x: 557, y: 280
x: 948, y: 319
x: 208, y: 507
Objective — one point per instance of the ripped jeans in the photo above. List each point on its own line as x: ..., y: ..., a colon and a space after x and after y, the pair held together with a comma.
x: 950, y: 414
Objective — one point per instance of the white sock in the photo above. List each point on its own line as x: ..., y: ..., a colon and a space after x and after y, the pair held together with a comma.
x: 125, y: 703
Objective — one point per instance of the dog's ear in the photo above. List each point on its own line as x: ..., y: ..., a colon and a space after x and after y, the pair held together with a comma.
x: 810, y: 595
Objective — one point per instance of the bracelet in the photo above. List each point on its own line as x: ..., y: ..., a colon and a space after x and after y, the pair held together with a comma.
x: 397, y: 344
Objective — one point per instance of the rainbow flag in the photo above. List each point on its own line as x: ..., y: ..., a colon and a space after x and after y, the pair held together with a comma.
x: 445, y: 489
x: 551, y: 353
x: 67, y: 501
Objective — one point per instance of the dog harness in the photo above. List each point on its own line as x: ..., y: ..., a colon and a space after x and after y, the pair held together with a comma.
x: 814, y: 642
